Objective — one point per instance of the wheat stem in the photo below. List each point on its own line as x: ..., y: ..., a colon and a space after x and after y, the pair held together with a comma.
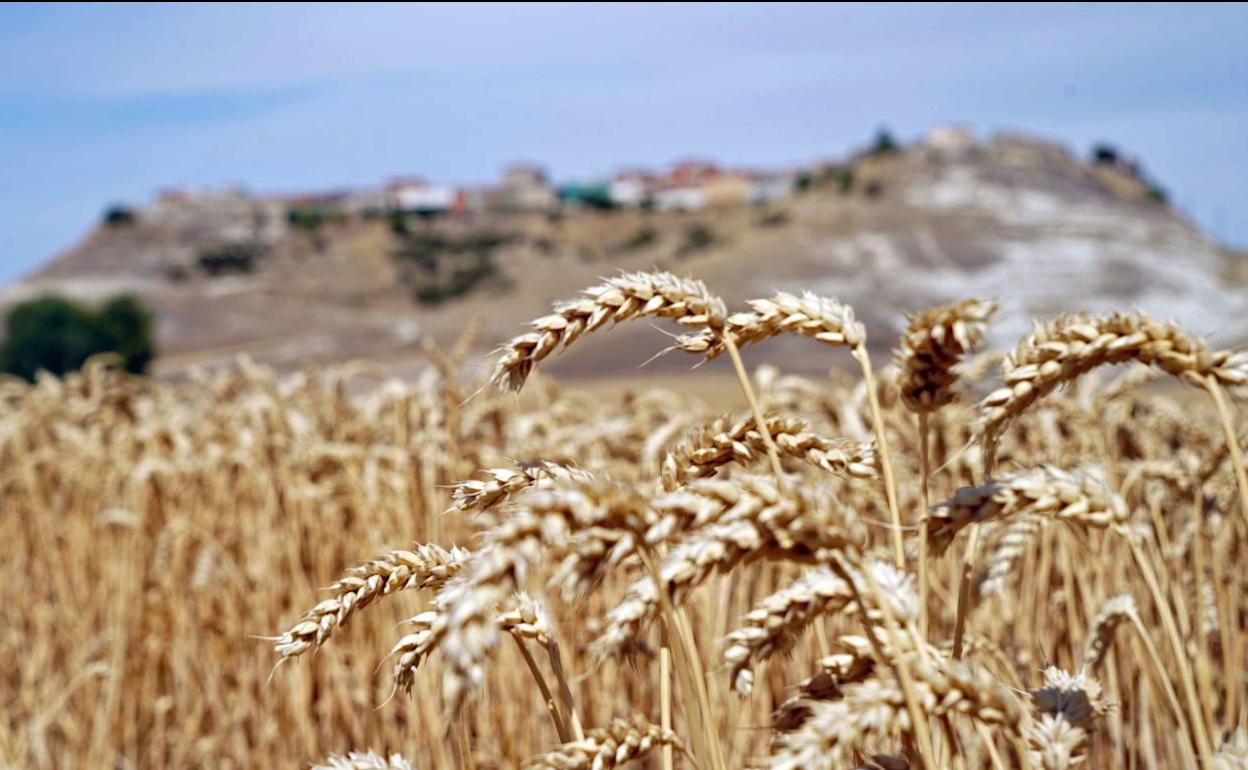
x: 1203, y: 746
x: 548, y: 697
x: 744, y: 381
x: 687, y: 663
x: 964, y: 591
x: 1237, y: 459
x: 1167, y: 687
x: 925, y: 501
x: 665, y: 701
x: 565, y: 692
x: 886, y: 466
x: 898, y: 662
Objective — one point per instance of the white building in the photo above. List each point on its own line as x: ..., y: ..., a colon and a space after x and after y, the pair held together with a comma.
x: 949, y: 140
x: 765, y: 188
x: 683, y: 198
x: 417, y: 195
x: 630, y: 189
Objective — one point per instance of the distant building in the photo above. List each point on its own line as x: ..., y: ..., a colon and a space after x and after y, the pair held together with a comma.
x: 685, y: 186
x: 594, y: 195
x: 948, y: 142
x: 174, y: 196
x: 632, y: 189
x: 687, y: 173
x: 726, y: 189
x: 199, y: 196
x: 680, y: 198
x: 769, y: 187
x: 524, y: 175
x: 226, y: 214
x: 416, y: 196
x: 524, y: 188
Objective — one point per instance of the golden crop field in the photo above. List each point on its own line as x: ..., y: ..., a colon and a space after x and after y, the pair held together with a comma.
x: 956, y: 559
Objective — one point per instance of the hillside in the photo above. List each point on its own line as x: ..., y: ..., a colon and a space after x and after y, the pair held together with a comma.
x: 1011, y: 217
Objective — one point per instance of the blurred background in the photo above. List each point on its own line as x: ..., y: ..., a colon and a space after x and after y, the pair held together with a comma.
x: 325, y: 182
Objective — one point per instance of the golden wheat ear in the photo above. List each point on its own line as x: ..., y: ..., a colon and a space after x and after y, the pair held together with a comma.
x: 624, y: 297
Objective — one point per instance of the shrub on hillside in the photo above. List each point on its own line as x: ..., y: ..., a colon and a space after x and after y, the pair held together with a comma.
x: 644, y: 236
x: 56, y: 334
x: 311, y: 218
x: 697, y: 237
x: 229, y: 258
x: 119, y: 216
x: 1104, y: 154
x: 884, y: 143
x: 466, y: 273
x: 776, y: 218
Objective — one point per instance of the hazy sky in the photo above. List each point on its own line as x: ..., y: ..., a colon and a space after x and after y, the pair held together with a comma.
x: 106, y: 103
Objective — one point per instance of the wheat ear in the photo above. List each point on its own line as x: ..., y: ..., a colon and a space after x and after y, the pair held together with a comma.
x: 541, y: 520
x: 1068, y: 708
x: 425, y: 566
x: 602, y: 748
x: 932, y: 347
x: 773, y: 626
x: 364, y: 760
x: 761, y: 521
x: 725, y: 441
x: 834, y: 732
x: 825, y: 320
x: 627, y: 296
x: 1060, y: 351
x: 1071, y: 496
x: 1074, y: 497
x: 499, y: 484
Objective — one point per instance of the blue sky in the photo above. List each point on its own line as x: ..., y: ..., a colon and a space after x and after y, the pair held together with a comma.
x: 106, y: 103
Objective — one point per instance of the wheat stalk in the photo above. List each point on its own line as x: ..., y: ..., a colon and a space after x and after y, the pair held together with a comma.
x: 933, y: 344
x: 499, y: 484
x: 823, y: 318
x: 726, y: 441
x: 541, y: 519
x: 874, y: 710
x: 620, y: 742
x: 426, y: 566
x: 627, y: 296
x: 1070, y: 496
x: 1068, y: 708
x: 1014, y: 541
x: 1058, y: 352
x: 763, y: 521
x: 364, y: 760
x: 772, y: 627
x: 1112, y: 613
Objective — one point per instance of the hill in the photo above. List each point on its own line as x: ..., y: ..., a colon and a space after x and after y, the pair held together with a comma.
x: 1010, y: 217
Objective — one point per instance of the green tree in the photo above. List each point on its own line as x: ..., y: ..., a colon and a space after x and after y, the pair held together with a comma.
x: 58, y: 335
x: 127, y: 326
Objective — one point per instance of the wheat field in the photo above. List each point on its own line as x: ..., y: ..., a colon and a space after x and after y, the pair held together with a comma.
x: 962, y: 558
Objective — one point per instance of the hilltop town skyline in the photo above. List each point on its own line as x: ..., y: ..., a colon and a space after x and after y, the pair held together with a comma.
x: 106, y: 103
x: 690, y: 183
